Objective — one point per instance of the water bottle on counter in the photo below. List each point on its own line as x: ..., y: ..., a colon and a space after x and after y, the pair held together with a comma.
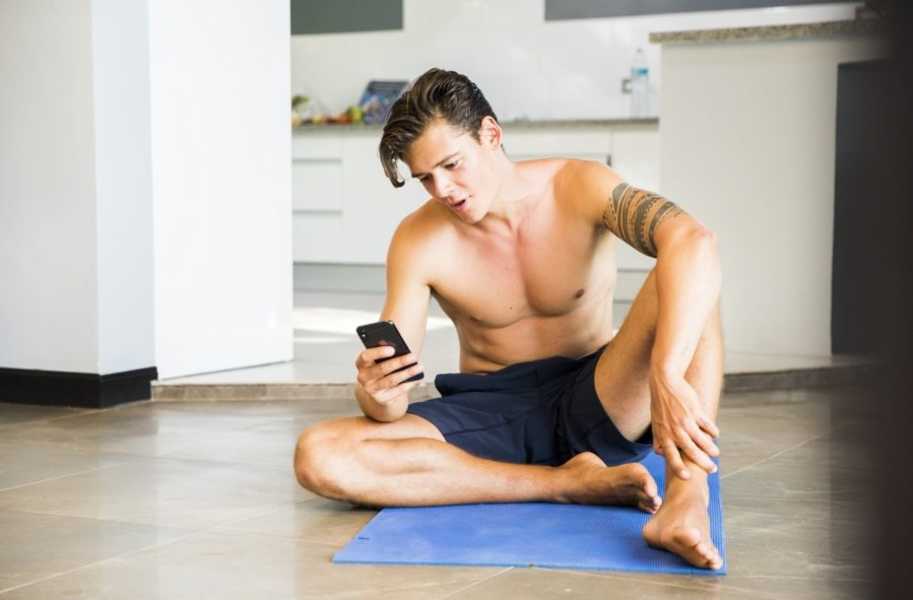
x: 640, y: 85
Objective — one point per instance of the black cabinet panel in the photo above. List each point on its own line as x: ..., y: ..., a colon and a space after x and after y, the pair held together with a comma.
x: 339, y: 16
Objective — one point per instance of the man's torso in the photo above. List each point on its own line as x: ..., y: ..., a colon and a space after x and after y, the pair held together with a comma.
x: 544, y: 291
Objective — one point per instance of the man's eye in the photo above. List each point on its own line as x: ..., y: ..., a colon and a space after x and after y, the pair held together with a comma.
x: 452, y: 165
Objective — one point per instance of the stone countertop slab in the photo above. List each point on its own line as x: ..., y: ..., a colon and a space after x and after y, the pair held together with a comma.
x: 767, y: 33
x: 518, y: 123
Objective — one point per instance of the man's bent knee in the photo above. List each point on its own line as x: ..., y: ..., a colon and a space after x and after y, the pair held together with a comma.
x: 314, y: 460
x: 327, y: 454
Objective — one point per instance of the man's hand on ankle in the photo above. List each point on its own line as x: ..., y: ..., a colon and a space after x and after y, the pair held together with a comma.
x: 680, y: 427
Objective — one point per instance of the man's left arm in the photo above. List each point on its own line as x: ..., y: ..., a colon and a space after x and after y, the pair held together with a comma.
x: 688, y: 282
x: 687, y: 269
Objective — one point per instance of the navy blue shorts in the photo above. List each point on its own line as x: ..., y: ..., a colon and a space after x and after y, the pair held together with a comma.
x: 539, y: 412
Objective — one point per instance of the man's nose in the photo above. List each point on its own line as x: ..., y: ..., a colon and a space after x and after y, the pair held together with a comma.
x: 443, y: 187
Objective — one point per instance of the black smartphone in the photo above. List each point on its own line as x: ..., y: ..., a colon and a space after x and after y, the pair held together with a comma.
x: 385, y: 333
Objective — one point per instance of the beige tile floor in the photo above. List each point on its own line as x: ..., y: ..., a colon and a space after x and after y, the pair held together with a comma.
x: 197, y: 500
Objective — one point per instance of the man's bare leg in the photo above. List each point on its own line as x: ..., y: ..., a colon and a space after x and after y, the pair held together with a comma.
x: 622, y: 382
x: 407, y: 463
x: 682, y: 524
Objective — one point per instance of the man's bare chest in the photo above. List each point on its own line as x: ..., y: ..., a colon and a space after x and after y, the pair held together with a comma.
x: 550, y: 270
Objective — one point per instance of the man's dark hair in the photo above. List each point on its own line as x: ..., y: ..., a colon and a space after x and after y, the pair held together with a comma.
x: 436, y: 94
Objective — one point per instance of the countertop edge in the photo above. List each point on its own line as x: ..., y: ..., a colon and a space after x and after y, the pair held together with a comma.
x: 772, y: 32
x: 518, y: 123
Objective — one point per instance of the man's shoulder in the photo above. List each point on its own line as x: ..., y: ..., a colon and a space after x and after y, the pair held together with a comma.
x: 424, y: 225
x: 585, y: 186
x: 422, y: 232
x: 582, y: 174
x: 572, y: 176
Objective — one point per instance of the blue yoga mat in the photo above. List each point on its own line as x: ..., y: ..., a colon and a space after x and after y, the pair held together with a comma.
x: 565, y: 536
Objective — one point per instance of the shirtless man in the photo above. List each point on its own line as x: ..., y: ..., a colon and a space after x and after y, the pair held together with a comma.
x: 548, y: 405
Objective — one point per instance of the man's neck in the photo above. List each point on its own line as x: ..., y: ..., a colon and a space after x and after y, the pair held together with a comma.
x: 511, y: 205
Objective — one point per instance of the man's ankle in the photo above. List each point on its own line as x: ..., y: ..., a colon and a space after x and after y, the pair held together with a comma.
x: 695, y: 487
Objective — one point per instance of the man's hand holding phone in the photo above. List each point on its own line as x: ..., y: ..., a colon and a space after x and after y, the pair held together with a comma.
x: 381, y: 379
x: 387, y: 370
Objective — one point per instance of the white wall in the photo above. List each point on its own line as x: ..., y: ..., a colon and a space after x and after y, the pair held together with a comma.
x: 48, y: 268
x: 221, y: 154
x: 109, y: 107
x: 748, y: 147
x: 123, y: 175
x: 524, y: 65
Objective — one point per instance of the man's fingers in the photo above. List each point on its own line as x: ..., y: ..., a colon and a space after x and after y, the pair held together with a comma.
x: 696, y: 455
x: 703, y: 441
x: 394, y: 379
x: 385, y: 396
x: 369, y: 356
x: 708, y: 426
x: 382, y: 369
x: 388, y: 366
x: 388, y: 395
x: 674, y: 460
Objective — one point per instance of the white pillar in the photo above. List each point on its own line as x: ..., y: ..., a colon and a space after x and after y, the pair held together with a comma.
x: 145, y: 194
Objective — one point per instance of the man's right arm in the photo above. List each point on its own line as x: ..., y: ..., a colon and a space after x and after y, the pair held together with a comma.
x: 407, y: 298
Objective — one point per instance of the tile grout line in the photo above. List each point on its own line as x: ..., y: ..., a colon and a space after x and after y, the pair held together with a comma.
x: 475, y: 583
x: 773, y: 456
x: 89, y: 411
x: 214, y: 528
x: 73, y: 474
x: 181, y: 538
x: 99, y: 519
x: 166, y: 457
x: 803, y: 578
x: 96, y: 563
x: 636, y: 576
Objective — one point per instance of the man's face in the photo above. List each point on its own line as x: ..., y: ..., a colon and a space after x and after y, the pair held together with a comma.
x: 455, y: 169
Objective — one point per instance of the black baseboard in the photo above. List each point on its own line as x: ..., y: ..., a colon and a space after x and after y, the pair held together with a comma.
x: 85, y: 390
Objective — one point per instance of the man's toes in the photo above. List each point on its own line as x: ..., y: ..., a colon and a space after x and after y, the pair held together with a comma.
x: 706, y: 551
x: 639, y: 476
x: 687, y: 543
x: 706, y: 555
x: 649, y: 503
x: 650, y: 488
x: 715, y: 561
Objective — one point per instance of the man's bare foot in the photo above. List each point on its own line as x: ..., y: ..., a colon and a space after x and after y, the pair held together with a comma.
x: 590, y: 481
x: 682, y: 526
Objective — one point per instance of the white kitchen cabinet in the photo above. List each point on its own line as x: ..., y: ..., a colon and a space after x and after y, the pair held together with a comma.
x: 345, y: 209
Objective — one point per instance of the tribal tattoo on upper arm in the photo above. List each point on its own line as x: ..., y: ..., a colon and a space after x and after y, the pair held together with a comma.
x: 633, y: 215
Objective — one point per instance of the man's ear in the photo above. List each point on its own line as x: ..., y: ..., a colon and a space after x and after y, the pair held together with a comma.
x: 490, y: 133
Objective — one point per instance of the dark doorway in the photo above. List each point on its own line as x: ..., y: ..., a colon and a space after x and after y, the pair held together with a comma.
x: 859, y: 206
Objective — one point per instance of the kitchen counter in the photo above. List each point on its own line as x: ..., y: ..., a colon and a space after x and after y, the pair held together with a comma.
x: 513, y: 123
x: 855, y: 27
x: 748, y: 147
